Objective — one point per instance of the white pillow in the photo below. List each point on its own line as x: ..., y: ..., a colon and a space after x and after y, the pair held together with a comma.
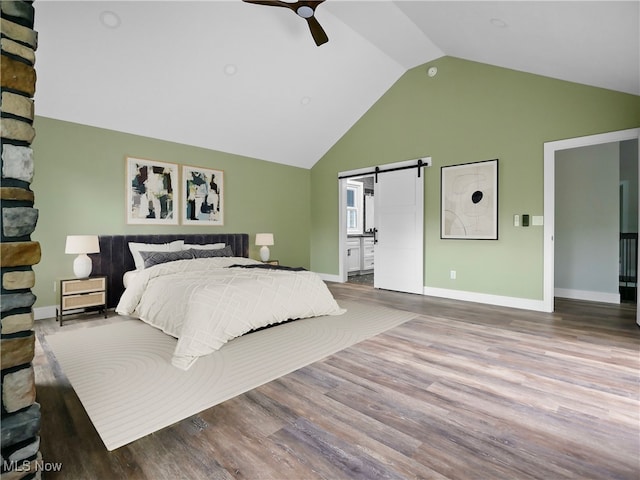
x: 136, y: 248
x: 128, y: 277
x: 211, y: 246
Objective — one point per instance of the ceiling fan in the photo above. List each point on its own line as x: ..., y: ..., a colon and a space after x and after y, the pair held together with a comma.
x: 303, y: 8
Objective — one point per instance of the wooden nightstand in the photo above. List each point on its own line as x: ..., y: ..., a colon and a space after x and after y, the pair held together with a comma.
x: 82, y: 293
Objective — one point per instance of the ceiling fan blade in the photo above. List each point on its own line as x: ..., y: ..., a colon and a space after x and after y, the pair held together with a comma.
x: 317, y: 32
x: 310, y: 3
x: 271, y: 3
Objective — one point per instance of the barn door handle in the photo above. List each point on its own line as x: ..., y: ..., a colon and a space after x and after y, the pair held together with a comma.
x: 375, y: 235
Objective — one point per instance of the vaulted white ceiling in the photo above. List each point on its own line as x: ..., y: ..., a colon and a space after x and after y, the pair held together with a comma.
x: 248, y: 79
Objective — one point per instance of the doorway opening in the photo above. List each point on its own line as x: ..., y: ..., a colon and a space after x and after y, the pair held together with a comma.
x: 551, y: 149
x: 381, y: 215
x: 360, y: 226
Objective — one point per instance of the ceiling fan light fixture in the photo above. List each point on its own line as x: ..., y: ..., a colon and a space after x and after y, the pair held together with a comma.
x: 305, y: 11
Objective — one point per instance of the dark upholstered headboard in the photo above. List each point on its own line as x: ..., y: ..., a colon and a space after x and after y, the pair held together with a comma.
x: 115, y: 257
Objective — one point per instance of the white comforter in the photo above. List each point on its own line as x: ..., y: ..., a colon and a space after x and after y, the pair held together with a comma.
x: 204, y: 304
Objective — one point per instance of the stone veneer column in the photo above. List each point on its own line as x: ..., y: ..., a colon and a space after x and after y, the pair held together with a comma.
x: 20, y: 427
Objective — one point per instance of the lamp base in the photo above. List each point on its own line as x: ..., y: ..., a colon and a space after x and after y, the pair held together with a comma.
x: 264, y: 253
x: 82, y: 266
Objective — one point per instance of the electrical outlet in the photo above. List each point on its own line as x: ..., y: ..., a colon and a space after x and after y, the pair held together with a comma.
x: 452, y: 274
x: 516, y: 220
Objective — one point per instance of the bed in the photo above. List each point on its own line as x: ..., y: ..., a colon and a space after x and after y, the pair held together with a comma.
x: 204, y: 290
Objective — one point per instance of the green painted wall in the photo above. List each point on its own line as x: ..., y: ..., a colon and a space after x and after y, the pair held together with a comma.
x: 469, y: 112
x: 80, y: 189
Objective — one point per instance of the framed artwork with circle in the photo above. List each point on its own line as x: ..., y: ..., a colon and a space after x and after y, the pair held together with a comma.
x: 469, y: 201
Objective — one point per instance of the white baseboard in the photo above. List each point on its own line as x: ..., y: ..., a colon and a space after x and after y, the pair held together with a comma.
x: 502, y: 301
x: 330, y: 278
x: 499, y: 300
x: 587, y: 295
x: 40, y: 313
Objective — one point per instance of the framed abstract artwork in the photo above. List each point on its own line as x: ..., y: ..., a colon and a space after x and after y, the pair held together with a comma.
x: 152, y: 192
x: 469, y: 201
x: 203, y: 196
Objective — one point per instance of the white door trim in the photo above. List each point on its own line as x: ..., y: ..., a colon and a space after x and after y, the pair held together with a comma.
x: 550, y: 149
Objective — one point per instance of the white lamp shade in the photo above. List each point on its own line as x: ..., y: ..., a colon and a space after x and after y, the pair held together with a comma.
x: 82, y: 244
x: 264, y: 239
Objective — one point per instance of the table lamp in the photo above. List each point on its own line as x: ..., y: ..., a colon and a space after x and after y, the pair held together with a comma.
x: 263, y: 240
x: 82, y: 244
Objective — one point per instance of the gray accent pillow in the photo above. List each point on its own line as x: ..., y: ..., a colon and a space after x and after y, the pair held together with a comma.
x: 156, y: 258
x: 218, y: 252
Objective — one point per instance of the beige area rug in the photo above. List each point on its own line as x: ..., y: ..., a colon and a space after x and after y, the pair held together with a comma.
x: 123, y: 375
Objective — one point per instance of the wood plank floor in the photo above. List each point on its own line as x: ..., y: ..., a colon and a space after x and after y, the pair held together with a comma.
x: 464, y: 391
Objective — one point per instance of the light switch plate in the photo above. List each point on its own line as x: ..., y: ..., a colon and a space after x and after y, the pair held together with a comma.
x: 537, y: 220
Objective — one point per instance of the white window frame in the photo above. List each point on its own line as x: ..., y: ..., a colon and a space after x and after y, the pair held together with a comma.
x: 357, y: 209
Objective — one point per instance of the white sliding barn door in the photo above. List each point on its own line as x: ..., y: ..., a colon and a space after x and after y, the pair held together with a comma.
x: 399, y: 220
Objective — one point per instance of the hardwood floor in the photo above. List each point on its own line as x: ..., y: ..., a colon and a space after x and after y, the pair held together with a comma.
x: 464, y: 391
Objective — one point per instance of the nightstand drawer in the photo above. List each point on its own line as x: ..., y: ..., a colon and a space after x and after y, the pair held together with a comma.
x: 70, y: 287
x: 81, y: 301
x: 82, y: 293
